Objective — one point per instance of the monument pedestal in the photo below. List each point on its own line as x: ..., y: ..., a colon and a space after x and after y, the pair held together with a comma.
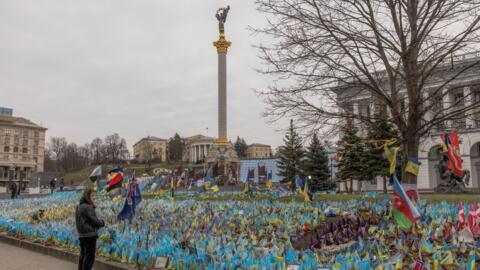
x: 224, y: 160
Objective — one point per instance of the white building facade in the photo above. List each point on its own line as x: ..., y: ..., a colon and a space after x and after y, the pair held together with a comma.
x: 197, y: 148
x: 462, y: 91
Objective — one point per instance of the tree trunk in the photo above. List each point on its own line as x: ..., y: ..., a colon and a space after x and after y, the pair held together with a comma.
x: 410, y: 148
x: 384, y: 184
x: 351, y: 186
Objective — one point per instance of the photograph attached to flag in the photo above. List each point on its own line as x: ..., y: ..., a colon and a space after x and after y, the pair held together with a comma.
x: 405, y: 213
x: 96, y: 174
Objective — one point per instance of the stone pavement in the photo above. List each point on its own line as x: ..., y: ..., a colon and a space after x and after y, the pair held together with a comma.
x: 15, y: 258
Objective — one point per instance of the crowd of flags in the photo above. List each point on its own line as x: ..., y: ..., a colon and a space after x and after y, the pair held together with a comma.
x: 403, y: 204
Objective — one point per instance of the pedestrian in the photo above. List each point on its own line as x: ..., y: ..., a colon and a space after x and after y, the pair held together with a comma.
x: 19, y: 189
x: 62, y: 184
x: 87, y: 226
x: 13, y: 190
x: 52, y: 185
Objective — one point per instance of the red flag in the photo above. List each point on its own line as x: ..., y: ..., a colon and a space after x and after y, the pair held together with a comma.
x: 453, y: 147
x: 461, y: 216
x: 471, y: 217
x: 419, y: 264
x: 411, y: 191
x: 476, y: 221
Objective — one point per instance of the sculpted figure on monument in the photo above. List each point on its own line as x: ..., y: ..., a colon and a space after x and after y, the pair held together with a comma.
x: 450, y: 182
x: 222, y: 18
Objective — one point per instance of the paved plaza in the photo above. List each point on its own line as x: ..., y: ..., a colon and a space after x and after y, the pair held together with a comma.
x: 15, y: 258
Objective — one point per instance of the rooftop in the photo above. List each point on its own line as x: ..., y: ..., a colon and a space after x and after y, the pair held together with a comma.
x: 151, y: 138
x: 199, y: 137
x: 18, y: 121
x: 258, y: 145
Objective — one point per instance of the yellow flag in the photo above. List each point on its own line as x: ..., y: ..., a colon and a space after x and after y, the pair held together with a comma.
x: 245, y: 188
x: 412, y: 167
x: 391, y: 156
x: 269, y: 183
x: 305, y: 191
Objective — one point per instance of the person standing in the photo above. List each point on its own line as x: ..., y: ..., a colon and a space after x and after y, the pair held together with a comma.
x: 13, y: 190
x: 62, y: 184
x: 19, y: 189
x: 87, y: 224
x: 52, y: 185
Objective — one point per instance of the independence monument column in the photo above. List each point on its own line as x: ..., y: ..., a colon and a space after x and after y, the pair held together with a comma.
x: 222, y: 48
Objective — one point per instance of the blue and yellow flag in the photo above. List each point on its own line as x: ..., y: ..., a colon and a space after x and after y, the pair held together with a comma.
x: 214, y: 186
x: 413, y: 165
x: 391, y: 155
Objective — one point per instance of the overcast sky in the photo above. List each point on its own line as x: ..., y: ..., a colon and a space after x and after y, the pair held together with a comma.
x: 93, y: 67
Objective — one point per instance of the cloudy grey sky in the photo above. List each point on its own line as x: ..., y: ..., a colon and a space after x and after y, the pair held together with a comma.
x: 93, y: 67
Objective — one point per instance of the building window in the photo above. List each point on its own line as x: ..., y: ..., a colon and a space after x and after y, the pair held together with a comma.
x: 16, y: 132
x: 459, y: 99
x: 15, y: 149
x: 476, y: 97
x: 6, y: 140
x: 6, y: 149
x: 477, y: 120
x: 24, y: 158
x: 36, y: 133
x: 35, y: 150
x: 25, y: 142
x: 25, y: 150
x: 460, y: 123
x: 16, y: 140
x: 6, y: 131
x: 25, y: 133
x: 438, y: 104
x: 35, y: 142
x: 5, y: 157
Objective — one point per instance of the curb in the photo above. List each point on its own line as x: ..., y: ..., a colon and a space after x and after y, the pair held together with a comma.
x: 100, y: 263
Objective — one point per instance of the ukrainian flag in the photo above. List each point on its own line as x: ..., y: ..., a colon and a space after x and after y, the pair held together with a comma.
x: 214, y: 187
x: 413, y: 165
x: 391, y: 155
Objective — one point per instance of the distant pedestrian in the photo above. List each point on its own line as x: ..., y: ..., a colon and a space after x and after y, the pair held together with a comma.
x: 62, y: 184
x: 13, y: 190
x: 87, y: 226
x: 19, y: 189
x: 52, y: 185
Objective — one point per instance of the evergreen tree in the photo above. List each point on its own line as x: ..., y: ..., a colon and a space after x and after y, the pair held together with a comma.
x: 351, y: 165
x: 291, y: 157
x: 377, y: 163
x: 175, y: 147
x: 241, y: 147
x: 316, y: 164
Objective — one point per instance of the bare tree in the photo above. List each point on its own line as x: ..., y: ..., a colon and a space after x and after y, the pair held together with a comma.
x: 97, y: 148
x: 57, y: 146
x: 398, y: 54
x: 116, y: 148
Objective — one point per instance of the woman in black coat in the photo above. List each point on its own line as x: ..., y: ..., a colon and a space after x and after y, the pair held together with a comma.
x: 87, y: 227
